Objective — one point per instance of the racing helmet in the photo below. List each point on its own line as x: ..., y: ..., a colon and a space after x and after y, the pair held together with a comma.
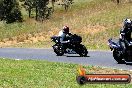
x: 127, y: 23
x: 66, y: 29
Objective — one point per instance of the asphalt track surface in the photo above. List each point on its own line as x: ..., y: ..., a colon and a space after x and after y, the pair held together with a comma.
x: 95, y: 58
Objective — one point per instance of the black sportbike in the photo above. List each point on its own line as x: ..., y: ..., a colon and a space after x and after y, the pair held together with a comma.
x: 74, y: 46
x: 120, y: 53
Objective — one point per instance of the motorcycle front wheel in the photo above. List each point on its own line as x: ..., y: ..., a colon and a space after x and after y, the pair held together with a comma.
x: 59, y: 50
x: 118, y: 57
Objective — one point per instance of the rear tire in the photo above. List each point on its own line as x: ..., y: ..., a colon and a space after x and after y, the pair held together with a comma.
x: 118, y: 57
x: 82, y: 50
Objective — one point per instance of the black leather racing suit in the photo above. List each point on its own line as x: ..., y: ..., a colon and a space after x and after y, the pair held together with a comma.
x: 125, y: 36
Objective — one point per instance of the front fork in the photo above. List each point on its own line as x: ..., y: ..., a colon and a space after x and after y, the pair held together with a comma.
x: 59, y: 47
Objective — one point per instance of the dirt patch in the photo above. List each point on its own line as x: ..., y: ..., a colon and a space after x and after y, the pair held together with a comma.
x: 29, y: 38
x: 45, y: 36
x: 98, y: 70
x: 91, y: 29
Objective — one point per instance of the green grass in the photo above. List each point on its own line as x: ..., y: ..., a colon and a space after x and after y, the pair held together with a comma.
x: 43, y: 74
x: 40, y: 44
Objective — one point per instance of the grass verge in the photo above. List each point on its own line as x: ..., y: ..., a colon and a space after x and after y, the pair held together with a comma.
x: 95, y: 20
x: 44, y: 74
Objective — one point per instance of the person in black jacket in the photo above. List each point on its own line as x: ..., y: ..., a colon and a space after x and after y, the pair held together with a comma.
x: 125, y: 33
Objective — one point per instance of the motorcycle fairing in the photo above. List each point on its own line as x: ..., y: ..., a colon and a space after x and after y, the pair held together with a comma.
x: 114, y: 45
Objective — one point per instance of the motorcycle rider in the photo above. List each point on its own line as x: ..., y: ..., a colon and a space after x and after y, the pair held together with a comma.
x: 63, y: 34
x: 125, y: 33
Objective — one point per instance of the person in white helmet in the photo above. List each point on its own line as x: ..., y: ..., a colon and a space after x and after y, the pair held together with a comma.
x: 63, y: 33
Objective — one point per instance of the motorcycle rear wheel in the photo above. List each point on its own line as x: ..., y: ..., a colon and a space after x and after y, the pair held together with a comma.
x: 82, y: 50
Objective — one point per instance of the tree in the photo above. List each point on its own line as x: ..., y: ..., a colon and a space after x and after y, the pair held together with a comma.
x: 1, y: 9
x: 30, y: 4
x: 10, y: 11
x: 42, y: 11
x: 117, y: 1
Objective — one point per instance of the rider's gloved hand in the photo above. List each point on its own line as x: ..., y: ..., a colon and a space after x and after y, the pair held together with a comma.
x: 68, y: 41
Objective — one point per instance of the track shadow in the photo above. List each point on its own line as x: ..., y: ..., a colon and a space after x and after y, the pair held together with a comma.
x: 127, y: 63
x: 61, y: 56
x: 130, y: 64
x: 76, y: 56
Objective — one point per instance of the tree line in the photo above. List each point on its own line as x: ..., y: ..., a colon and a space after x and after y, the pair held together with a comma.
x: 10, y: 9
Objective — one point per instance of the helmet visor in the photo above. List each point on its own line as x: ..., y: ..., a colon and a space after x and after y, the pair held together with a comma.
x: 129, y: 25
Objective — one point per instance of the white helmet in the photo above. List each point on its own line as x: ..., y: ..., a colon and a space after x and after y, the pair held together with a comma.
x: 127, y: 23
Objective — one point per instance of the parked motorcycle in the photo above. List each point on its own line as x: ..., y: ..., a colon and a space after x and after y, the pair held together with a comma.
x: 74, y: 46
x: 121, y: 54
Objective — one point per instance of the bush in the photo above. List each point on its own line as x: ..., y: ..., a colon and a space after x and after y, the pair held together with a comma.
x: 14, y: 15
x: 9, y: 11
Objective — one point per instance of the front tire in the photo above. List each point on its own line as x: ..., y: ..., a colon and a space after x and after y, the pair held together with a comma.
x: 59, y: 50
x: 118, y: 57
